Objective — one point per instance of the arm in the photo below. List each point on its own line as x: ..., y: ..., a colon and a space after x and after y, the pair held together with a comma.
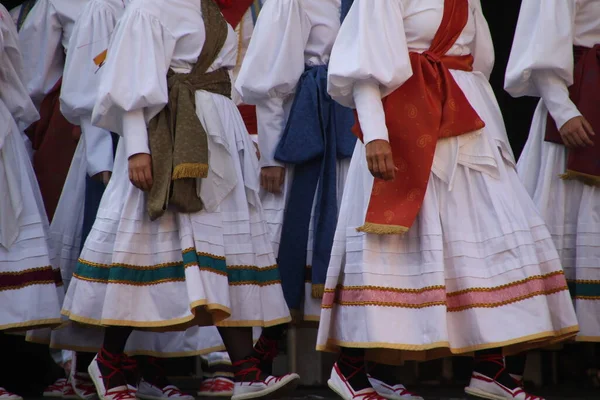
x: 43, y: 55
x: 367, y: 65
x: 483, y: 48
x: 543, y: 45
x: 271, y: 69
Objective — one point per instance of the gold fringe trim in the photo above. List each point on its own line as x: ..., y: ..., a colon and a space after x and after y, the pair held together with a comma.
x: 190, y: 170
x: 586, y: 179
x: 317, y: 290
x: 379, y: 229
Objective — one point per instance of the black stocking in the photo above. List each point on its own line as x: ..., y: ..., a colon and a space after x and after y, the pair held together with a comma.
x: 82, y: 361
x: 111, y: 359
x: 352, y: 365
x: 153, y: 371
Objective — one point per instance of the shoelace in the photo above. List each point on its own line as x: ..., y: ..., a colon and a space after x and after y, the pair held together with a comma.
x: 499, y: 359
x: 111, y: 362
x: 120, y: 394
x: 266, y: 348
x: 252, y: 369
x: 495, y: 359
x: 357, y: 364
x: 68, y: 391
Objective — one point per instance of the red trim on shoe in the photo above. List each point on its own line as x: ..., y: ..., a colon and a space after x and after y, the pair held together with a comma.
x: 57, y: 386
x: 514, y: 394
x: 222, y: 385
x: 4, y: 392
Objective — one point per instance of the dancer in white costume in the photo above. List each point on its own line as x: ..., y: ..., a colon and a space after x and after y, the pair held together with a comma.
x: 542, y: 64
x: 28, y: 283
x: 241, y: 15
x: 205, y: 258
x: 44, y: 38
x: 305, y: 143
x: 473, y: 267
x: 78, y: 206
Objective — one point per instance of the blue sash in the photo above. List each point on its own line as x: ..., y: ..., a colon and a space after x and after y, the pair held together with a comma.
x: 317, y: 134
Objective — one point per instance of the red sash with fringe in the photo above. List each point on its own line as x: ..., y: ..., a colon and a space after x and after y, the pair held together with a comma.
x: 429, y: 106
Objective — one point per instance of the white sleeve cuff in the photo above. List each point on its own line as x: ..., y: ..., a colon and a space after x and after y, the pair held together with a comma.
x: 135, y: 133
x: 556, y: 98
x: 367, y: 97
x: 98, y: 147
x: 270, y: 115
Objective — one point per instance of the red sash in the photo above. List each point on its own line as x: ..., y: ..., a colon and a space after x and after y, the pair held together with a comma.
x: 54, y: 140
x: 234, y: 10
x: 583, y: 164
x: 429, y: 106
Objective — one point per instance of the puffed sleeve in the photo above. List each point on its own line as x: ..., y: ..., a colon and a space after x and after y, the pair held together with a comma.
x: 483, y: 47
x: 81, y: 78
x: 14, y: 94
x: 541, y: 60
x: 271, y: 69
x: 43, y: 55
x: 133, y: 85
x: 369, y: 61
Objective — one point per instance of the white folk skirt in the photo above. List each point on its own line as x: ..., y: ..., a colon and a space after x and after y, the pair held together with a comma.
x: 477, y: 270
x: 212, y: 267
x: 572, y: 213
x: 274, y: 205
x: 30, y: 288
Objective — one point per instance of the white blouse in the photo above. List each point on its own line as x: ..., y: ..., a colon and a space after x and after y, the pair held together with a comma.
x: 370, y: 58
x: 289, y: 35
x: 44, y: 39
x: 13, y: 92
x: 541, y: 60
x: 81, y: 78
x: 151, y: 37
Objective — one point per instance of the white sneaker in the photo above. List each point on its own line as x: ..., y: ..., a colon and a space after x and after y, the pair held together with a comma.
x: 396, y: 392
x: 272, y: 386
x: 488, y: 388
x: 4, y: 395
x: 340, y: 385
x: 119, y: 393
x: 148, y: 391
x: 81, y: 382
x: 56, y: 389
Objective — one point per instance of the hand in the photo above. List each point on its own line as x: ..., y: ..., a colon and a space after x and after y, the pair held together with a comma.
x: 379, y: 158
x: 140, y: 171
x: 576, y: 132
x: 271, y: 178
x: 103, y: 177
x: 257, y: 150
